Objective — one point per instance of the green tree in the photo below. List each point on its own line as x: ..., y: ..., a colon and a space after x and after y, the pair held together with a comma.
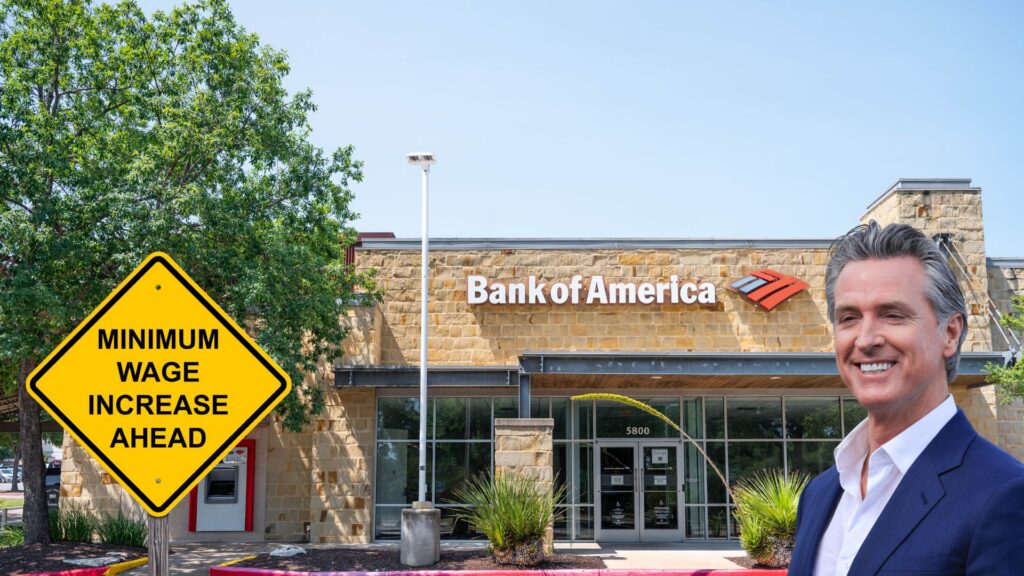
x: 1009, y: 380
x: 121, y: 134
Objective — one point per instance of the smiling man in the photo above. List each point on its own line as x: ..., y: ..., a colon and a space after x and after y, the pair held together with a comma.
x: 914, y: 490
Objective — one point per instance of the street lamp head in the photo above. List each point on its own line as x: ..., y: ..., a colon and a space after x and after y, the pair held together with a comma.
x: 424, y: 159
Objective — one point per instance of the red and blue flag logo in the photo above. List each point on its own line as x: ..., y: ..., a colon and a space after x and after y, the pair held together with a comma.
x: 766, y: 288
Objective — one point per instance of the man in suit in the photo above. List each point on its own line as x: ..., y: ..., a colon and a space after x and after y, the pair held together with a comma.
x: 914, y: 490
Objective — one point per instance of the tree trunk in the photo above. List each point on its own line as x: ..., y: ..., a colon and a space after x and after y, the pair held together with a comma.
x: 35, y: 513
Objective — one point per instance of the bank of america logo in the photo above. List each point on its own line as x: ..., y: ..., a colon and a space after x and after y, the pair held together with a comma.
x: 766, y: 288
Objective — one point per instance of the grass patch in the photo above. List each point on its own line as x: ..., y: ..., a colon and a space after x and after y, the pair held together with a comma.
x: 71, y: 524
x: 12, y: 536
x: 122, y: 529
x: 12, y: 502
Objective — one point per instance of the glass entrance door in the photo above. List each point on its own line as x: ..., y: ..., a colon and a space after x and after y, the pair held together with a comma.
x: 617, y: 520
x: 660, y: 493
x: 639, y: 492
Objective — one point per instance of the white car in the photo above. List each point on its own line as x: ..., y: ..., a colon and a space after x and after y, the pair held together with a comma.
x: 6, y: 474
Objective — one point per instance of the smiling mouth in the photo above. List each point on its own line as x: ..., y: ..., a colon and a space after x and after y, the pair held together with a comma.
x: 875, y: 367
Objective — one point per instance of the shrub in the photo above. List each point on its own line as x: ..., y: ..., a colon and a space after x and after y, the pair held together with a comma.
x: 12, y: 536
x: 512, y: 512
x: 122, y: 529
x: 71, y: 524
x: 766, y: 506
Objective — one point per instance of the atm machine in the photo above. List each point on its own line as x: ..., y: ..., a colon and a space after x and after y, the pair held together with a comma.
x: 222, y: 502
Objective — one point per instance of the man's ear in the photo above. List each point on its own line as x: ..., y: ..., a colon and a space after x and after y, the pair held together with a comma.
x: 954, y: 327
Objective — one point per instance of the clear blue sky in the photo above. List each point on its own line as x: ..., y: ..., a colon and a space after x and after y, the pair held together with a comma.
x: 659, y: 119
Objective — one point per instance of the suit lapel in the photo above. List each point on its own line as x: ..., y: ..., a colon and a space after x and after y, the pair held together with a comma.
x: 820, y: 506
x: 915, y: 496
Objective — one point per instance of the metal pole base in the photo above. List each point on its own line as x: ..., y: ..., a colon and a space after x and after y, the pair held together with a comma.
x: 421, y: 535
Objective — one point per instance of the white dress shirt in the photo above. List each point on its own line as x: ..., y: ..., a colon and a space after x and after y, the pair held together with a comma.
x: 855, y: 516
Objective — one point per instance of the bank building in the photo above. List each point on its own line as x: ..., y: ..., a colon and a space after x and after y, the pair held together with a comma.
x: 729, y: 338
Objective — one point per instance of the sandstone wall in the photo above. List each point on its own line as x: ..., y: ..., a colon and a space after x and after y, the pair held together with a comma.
x: 341, y: 496
x: 463, y: 334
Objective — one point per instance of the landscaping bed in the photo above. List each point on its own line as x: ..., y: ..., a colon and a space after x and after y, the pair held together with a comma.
x: 34, y: 558
x: 356, y: 560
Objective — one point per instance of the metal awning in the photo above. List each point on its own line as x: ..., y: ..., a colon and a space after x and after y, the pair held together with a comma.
x: 660, y: 370
x: 409, y: 376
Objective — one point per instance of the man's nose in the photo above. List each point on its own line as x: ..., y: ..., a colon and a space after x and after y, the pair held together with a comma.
x: 870, y: 335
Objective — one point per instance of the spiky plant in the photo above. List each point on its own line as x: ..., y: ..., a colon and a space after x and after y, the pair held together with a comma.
x: 657, y: 414
x: 511, y: 511
x: 766, y: 506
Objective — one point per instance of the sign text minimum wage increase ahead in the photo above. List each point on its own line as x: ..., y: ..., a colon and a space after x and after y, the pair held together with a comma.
x: 145, y: 403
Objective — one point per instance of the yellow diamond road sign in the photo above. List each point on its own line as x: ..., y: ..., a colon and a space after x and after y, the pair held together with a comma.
x: 158, y: 383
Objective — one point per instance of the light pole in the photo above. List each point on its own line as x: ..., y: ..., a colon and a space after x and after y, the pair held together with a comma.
x: 424, y: 160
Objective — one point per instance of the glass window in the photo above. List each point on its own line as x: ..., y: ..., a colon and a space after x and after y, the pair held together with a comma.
x: 693, y: 417
x: 388, y: 522
x: 693, y: 477
x: 718, y: 525
x: 853, y: 414
x: 398, y: 418
x: 506, y: 407
x: 560, y: 465
x: 813, y: 418
x: 584, y: 522
x: 398, y: 472
x: 562, y: 523
x: 450, y: 414
x: 716, y: 491
x: 560, y: 413
x: 457, y: 462
x: 810, y: 457
x: 695, y: 522
x: 715, y: 417
x: 749, y: 458
x: 754, y: 417
x: 454, y: 528
x: 585, y: 489
x: 584, y: 424
x: 615, y: 420
x: 540, y: 408
x: 480, y: 418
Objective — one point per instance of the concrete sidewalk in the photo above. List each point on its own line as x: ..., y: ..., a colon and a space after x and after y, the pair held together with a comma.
x: 196, y: 559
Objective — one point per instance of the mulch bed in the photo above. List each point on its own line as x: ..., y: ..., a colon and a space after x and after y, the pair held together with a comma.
x: 352, y: 559
x: 34, y: 558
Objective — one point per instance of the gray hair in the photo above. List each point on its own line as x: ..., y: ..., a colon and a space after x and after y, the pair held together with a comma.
x: 871, y: 241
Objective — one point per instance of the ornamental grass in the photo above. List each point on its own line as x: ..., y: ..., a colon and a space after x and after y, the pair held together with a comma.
x: 511, y: 511
x: 766, y: 506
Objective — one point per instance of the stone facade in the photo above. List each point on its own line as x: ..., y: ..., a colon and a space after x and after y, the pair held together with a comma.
x: 463, y: 334
x: 341, y: 498
x: 523, y: 446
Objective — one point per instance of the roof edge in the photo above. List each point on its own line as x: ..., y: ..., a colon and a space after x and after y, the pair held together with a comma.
x: 593, y: 243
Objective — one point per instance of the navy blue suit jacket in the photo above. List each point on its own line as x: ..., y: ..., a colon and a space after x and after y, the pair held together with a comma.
x: 958, y: 510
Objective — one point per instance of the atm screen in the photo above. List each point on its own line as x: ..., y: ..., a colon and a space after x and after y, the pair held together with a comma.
x: 222, y: 485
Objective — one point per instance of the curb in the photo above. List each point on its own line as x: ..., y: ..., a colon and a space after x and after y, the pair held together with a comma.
x: 222, y: 571
x: 122, y: 566
x: 237, y: 560
x: 109, y: 570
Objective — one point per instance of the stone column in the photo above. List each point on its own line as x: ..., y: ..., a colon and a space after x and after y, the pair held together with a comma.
x: 524, y: 446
